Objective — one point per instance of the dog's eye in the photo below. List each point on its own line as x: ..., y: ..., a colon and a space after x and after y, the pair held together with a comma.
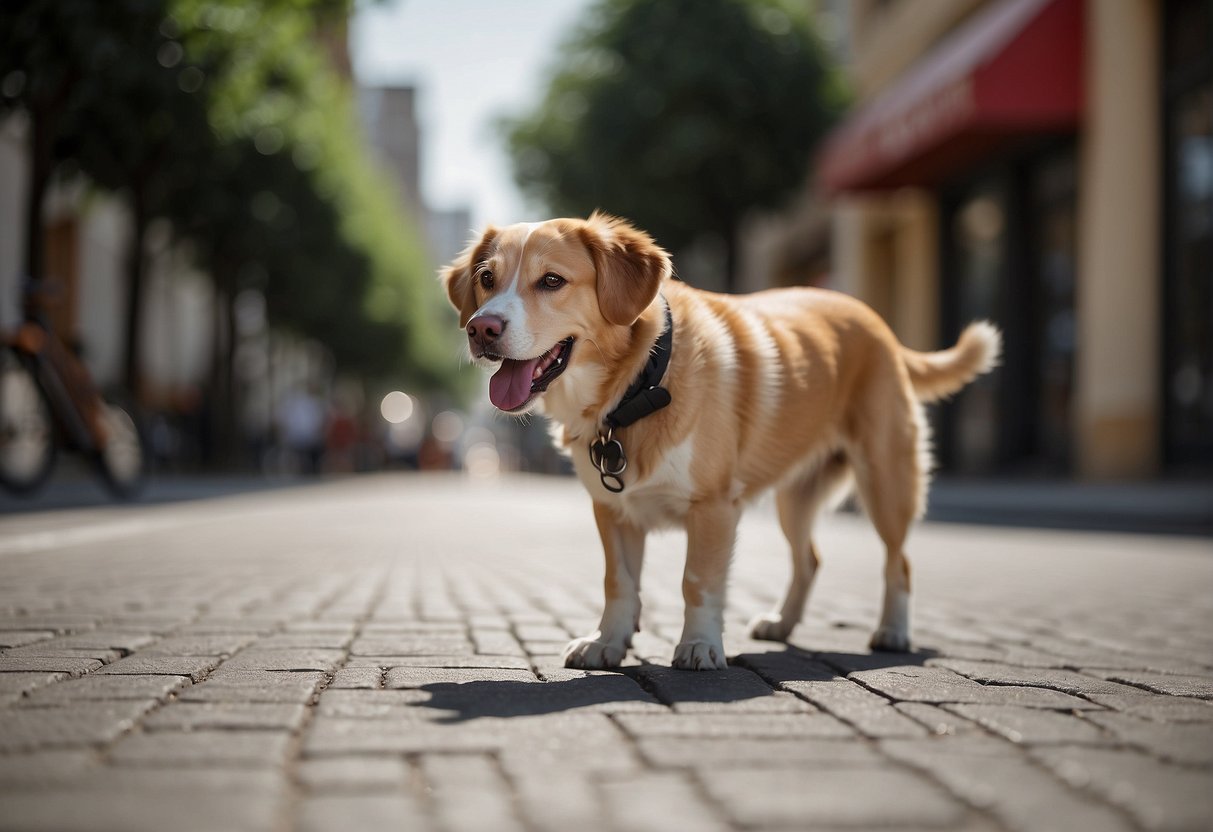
x: 552, y: 281
x: 486, y: 279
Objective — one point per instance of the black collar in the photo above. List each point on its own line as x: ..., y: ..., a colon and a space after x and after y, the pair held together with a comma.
x: 646, y: 395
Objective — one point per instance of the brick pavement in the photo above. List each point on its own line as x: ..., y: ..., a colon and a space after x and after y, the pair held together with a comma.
x: 352, y: 654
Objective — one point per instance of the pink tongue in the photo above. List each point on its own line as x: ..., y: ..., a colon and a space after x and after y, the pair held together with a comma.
x: 510, y: 386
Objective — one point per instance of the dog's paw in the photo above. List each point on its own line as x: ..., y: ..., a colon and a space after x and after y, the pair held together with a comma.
x: 890, y: 640
x: 771, y: 626
x: 699, y: 655
x: 589, y: 654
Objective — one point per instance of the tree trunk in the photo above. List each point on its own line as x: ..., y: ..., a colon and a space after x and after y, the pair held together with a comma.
x: 231, y: 426
x: 223, y: 376
x: 41, y: 136
x: 136, y: 268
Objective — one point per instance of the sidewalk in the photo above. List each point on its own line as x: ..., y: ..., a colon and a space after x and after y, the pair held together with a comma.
x: 383, y: 652
x: 1184, y: 507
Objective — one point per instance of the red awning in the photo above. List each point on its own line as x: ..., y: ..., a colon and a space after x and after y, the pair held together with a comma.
x: 1014, y: 69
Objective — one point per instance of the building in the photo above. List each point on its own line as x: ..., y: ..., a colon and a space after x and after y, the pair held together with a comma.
x: 1047, y: 164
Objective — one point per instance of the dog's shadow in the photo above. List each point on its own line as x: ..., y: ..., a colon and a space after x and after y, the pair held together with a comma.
x: 639, y: 687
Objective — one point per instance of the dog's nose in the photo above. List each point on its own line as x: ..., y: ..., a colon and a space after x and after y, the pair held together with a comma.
x: 485, y: 329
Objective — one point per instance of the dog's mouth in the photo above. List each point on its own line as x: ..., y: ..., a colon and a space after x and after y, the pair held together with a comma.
x: 518, y: 381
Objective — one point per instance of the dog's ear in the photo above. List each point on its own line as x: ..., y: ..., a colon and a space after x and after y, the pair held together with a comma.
x: 631, y: 267
x: 457, y: 277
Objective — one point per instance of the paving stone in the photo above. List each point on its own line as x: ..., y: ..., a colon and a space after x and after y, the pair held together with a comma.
x: 1066, y: 681
x: 556, y: 799
x: 214, y: 644
x: 195, y: 667
x: 351, y: 735
x: 545, y: 648
x: 295, y: 640
x: 123, y: 640
x: 369, y: 678
x: 13, y: 685
x: 73, y: 666
x: 721, y: 753
x: 468, y: 660
x: 17, y: 638
x: 1179, y: 743
x: 1031, y: 725
x: 869, y: 713
x: 95, y: 687
x: 496, y: 642
x: 43, y: 769
x: 237, y: 626
x: 312, y: 658
x: 101, y: 654
x: 1088, y: 655
x: 542, y: 632
x: 734, y: 725
x: 986, y: 777
x: 191, y: 716
x: 935, y: 684
x: 416, y: 677
x: 357, y: 773
x: 432, y: 645
x: 202, y: 748
x: 64, y: 622
x: 366, y: 704
x: 32, y: 729
x: 329, y: 812
x: 688, y: 691
x: 1159, y: 796
x: 468, y: 793
x: 140, y: 808
x: 1200, y: 687
x: 1161, y: 708
x: 255, y: 686
x: 938, y: 721
x: 852, y: 796
x: 646, y: 803
x: 380, y: 626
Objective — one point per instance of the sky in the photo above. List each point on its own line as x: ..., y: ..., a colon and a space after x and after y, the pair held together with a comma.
x: 472, y: 61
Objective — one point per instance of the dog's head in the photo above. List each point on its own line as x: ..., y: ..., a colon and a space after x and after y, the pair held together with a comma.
x: 526, y: 294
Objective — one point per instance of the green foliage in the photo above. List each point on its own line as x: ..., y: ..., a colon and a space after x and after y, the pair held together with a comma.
x: 226, y: 118
x: 679, y: 114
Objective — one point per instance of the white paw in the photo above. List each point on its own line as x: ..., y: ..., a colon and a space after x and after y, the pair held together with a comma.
x: 699, y: 655
x: 771, y: 626
x: 890, y: 640
x: 589, y: 654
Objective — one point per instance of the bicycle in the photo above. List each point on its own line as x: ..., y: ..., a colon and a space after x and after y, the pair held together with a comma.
x: 48, y: 399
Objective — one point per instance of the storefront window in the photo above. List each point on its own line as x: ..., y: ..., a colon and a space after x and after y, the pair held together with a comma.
x: 978, y: 228
x: 1053, y: 320
x: 1188, y: 235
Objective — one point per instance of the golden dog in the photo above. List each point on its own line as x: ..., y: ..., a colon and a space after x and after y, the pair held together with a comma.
x: 678, y: 406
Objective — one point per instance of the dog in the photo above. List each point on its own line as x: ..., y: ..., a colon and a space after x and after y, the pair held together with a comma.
x: 679, y: 406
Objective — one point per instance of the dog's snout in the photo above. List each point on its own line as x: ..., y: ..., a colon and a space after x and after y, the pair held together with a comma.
x: 485, y: 329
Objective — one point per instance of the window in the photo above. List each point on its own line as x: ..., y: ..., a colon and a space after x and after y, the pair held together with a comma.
x: 1188, y: 235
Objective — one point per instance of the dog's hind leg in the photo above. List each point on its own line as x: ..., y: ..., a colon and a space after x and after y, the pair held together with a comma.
x: 798, y: 503
x: 623, y: 545
x: 890, y: 475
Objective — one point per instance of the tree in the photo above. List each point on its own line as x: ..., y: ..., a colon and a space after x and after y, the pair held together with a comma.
x: 682, y: 115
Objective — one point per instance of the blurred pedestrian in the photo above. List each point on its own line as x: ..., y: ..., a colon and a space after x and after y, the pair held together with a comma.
x: 301, y: 422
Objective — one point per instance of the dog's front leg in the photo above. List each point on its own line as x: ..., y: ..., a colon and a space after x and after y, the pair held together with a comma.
x: 711, y: 532
x: 623, y: 545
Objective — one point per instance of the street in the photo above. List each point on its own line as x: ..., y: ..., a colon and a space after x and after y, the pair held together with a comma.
x: 384, y: 652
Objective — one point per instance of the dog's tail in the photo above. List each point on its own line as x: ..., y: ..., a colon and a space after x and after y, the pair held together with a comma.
x: 939, y: 374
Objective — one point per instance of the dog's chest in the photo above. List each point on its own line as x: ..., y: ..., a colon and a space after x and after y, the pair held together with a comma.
x: 659, y: 500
